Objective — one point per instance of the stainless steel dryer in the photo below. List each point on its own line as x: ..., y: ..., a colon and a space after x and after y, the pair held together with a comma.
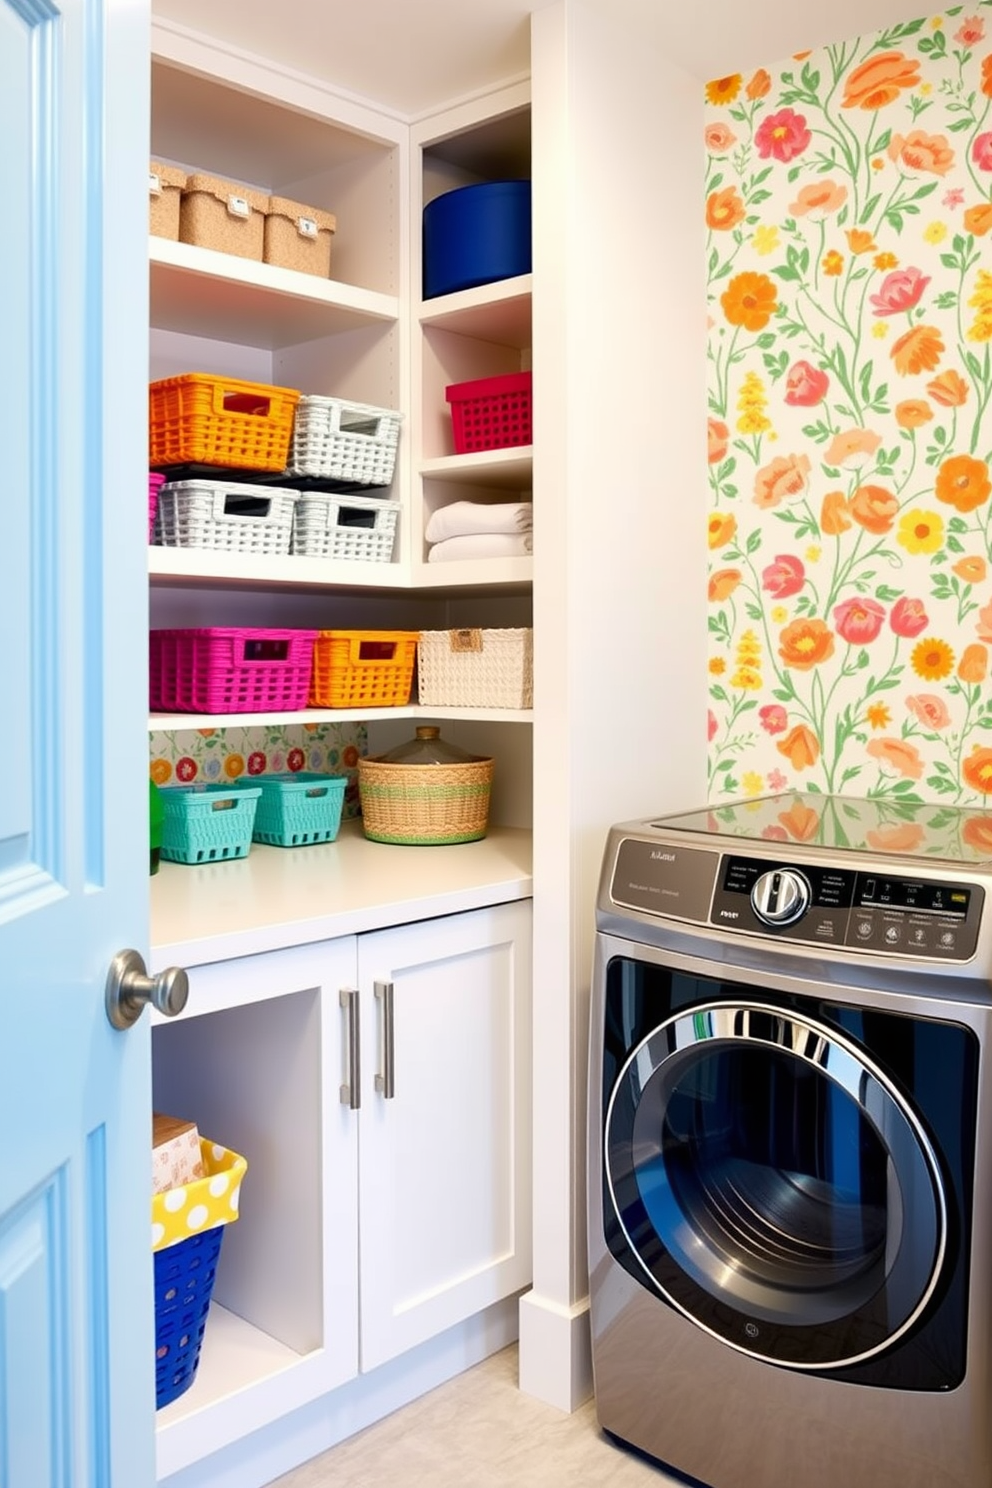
x: 790, y: 1144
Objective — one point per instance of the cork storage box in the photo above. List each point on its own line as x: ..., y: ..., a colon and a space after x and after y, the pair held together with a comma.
x: 219, y: 214
x: 165, y: 184
x: 298, y: 237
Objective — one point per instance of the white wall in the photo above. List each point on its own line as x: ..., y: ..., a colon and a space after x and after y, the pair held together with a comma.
x: 620, y: 558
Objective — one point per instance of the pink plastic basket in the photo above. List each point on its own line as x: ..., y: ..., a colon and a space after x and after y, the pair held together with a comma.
x: 232, y: 670
x: 491, y: 413
x: 154, y: 486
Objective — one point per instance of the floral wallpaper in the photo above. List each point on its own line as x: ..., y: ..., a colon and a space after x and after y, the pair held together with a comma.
x: 181, y: 756
x: 848, y: 216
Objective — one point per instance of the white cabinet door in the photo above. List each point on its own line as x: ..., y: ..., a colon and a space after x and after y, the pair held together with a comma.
x: 444, y: 1154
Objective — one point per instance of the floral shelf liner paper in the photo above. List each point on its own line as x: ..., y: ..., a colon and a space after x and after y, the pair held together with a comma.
x: 848, y: 214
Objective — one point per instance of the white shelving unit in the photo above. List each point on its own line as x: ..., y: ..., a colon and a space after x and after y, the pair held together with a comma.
x: 272, y: 938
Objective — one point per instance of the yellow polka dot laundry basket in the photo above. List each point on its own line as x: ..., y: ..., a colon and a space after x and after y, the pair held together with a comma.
x: 187, y: 1229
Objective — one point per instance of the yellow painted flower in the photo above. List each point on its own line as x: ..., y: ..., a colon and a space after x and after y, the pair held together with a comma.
x: 833, y: 263
x: 932, y: 659
x: 765, y: 239
x: 878, y: 715
x: 812, y: 554
x: 747, y: 679
x: 935, y: 232
x: 920, y: 531
x: 780, y: 613
x: 717, y: 666
x: 234, y: 765
x: 723, y: 90
x: 753, y: 422
x: 720, y: 528
x: 926, y: 89
x: 880, y: 330
x: 748, y: 657
x: 885, y: 261
x: 937, y: 22
x: 981, y: 295
x: 751, y: 405
x: 752, y: 784
x: 160, y: 771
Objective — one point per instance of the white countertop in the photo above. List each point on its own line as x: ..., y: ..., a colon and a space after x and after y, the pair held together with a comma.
x: 278, y: 897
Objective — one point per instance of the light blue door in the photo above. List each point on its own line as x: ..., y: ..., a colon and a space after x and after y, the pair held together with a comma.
x: 76, y: 1318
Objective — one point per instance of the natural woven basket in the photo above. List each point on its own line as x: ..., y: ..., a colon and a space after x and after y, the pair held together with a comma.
x: 424, y: 805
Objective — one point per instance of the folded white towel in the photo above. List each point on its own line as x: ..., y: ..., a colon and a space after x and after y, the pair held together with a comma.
x: 483, y: 545
x: 467, y: 518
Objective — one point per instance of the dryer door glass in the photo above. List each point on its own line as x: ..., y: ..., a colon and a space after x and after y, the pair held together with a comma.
x: 773, y: 1183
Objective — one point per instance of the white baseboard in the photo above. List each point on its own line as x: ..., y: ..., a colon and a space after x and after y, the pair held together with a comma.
x: 555, y: 1352
x: 261, y: 1457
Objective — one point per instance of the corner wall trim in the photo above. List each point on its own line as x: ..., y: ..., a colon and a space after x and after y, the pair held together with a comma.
x: 555, y: 1351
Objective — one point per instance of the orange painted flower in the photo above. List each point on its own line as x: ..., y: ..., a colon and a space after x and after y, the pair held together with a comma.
x: 963, y: 483
x: 833, y: 263
x: 972, y: 570
x: 759, y: 86
x: 932, y: 659
x: 880, y: 80
x: 977, y: 832
x: 349, y: 756
x: 206, y: 733
x: 874, y: 508
x: 749, y: 300
x: 860, y: 241
x: 801, y: 822
x: 820, y: 197
x: 983, y: 627
x: 234, y: 766
x: 805, y: 643
x: 160, y: 770
x: 949, y: 389
x: 987, y: 75
x: 919, y: 350
x: 878, y: 715
x: 784, y: 476
x: 923, y: 152
x: 978, y: 220
x: 723, y: 90
x: 851, y: 442
x: 930, y: 709
x: 834, y: 515
x: 800, y: 747
x: 913, y: 413
x: 899, y: 837
x: 902, y: 757
x: 720, y: 529
x: 723, y: 583
x: 725, y: 209
x: 717, y: 435
x: 974, y: 664
x: 977, y: 770
x: 719, y: 138
x: 885, y: 261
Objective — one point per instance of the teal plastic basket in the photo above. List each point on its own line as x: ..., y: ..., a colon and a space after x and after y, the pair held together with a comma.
x: 296, y: 810
x: 208, y: 823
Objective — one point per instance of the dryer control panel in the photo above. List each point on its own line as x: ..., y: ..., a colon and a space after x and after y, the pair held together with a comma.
x: 867, y: 911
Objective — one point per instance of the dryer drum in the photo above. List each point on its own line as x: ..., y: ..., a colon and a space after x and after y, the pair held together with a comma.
x: 770, y: 1180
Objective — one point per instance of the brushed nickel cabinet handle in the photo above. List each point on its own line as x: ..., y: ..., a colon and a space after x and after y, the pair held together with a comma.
x: 385, y: 1083
x: 351, y: 1092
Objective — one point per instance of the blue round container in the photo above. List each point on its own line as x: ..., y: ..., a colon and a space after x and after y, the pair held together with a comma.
x: 475, y: 235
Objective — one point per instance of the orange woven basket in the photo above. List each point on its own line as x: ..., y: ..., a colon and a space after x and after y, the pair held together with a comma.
x: 363, y: 668
x: 203, y: 420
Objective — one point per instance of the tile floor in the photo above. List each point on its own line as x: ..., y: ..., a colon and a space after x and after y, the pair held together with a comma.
x: 479, y: 1431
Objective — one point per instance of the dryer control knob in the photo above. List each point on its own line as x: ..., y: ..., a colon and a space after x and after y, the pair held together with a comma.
x: 781, y: 897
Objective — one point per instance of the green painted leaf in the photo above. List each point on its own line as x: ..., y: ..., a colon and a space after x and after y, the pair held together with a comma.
x: 887, y: 594
x: 786, y: 273
x: 870, y: 208
x: 768, y: 338
x: 959, y: 125
x: 754, y: 540
x: 955, y: 545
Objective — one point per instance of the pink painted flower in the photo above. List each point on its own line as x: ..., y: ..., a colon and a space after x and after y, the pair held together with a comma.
x: 858, y: 620
x: 186, y: 769
x: 782, y: 136
x: 930, y: 709
x: 711, y: 725
x: 970, y: 32
x: 784, y: 577
x: 256, y: 763
x: 774, y: 834
x: 805, y: 385
x: 981, y: 152
x: 900, y: 290
x: 777, y: 781
x: 774, y: 719
x: 908, y: 617
x: 295, y: 760
x: 719, y: 138
x: 953, y: 198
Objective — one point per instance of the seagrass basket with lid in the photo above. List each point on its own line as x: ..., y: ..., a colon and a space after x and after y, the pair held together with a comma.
x: 425, y: 792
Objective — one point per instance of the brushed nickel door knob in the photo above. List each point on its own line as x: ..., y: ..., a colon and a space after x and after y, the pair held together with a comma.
x: 130, y: 989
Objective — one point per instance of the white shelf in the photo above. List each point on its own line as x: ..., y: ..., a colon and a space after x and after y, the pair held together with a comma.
x: 499, y: 312
x: 279, y: 897
x: 506, y: 469
x: 208, y: 567
x: 200, y: 292
x: 171, y: 721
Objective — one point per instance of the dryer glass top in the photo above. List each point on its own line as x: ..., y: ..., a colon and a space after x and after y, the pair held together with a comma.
x: 883, y: 825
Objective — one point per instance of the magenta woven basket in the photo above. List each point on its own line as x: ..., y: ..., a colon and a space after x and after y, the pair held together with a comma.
x: 232, y: 670
x: 154, y: 486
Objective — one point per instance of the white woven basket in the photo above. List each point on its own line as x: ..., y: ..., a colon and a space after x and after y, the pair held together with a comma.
x: 326, y: 525
x: 231, y: 517
x: 335, y: 440
x: 476, y: 668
